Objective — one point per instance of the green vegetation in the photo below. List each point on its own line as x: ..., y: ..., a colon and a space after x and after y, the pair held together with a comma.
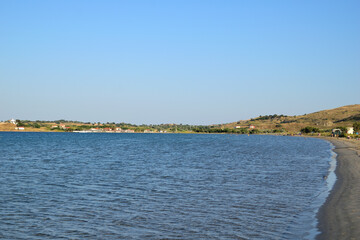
x: 267, y: 117
x: 289, y: 121
x: 356, y: 126
x: 19, y: 123
x: 309, y: 129
x: 36, y: 125
x: 343, y: 129
x: 209, y: 129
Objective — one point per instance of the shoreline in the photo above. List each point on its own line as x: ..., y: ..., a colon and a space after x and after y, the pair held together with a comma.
x: 339, y: 216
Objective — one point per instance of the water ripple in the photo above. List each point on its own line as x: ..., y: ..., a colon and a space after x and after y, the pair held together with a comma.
x: 153, y: 186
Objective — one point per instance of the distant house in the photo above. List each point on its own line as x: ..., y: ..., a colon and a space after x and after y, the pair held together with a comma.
x: 13, y: 121
x: 129, y: 131
x: 251, y: 127
x: 54, y: 126
x: 95, y: 130
x: 19, y: 128
x: 107, y: 129
x: 63, y: 126
x: 350, y: 130
x: 118, y: 129
x: 237, y: 126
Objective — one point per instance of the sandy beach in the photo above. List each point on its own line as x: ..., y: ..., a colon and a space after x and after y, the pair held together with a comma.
x: 339, y: 217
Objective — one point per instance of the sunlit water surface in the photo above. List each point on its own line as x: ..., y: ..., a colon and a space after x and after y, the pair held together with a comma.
x: 160, y: 186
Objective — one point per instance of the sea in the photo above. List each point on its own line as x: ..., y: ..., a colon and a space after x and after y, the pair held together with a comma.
x: 162, y: 186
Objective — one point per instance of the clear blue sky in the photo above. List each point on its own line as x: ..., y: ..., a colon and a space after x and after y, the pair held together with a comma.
x: 196, y: 62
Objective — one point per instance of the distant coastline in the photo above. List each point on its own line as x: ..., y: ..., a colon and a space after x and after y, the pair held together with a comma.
x: 343, y: 121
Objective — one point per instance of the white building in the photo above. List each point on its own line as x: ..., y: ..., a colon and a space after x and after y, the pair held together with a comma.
x: 350, y: 130
x: 13, y: 121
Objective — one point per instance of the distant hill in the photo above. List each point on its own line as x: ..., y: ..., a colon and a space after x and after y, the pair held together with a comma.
x: 327, y: 119
x: 7, y: 126
x: 324, y: 120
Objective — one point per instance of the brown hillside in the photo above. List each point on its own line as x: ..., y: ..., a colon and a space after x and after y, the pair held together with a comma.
x: 326, y: 119
x: 9, y: 127
x: 341, y: 114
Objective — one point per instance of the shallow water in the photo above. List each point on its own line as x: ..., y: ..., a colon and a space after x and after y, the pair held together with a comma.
x: 160, y: 186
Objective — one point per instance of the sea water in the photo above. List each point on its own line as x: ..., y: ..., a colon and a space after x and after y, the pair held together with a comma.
x: 161, y: 186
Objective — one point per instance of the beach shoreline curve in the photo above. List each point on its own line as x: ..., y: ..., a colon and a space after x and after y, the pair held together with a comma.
x: 339, y: 216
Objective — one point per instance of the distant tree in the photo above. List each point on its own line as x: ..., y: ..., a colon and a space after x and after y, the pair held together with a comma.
x: 356, y: 126
x: 309, y: 129
x: 254, y: 131
x: 227, y: 130
x: 343, y: 129
x: 278, y: 130
x: 19, y: 123
x: 266, y: 117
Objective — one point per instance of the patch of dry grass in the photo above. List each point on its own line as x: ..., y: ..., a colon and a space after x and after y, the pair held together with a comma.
x: 326, y: 119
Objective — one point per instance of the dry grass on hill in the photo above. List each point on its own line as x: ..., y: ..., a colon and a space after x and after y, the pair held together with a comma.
x: 326, y: 119
x: 9, y: 127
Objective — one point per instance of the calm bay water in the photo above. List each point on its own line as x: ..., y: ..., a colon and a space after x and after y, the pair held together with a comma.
x: 160, y: 186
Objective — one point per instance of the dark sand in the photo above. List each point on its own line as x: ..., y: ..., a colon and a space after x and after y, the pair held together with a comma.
x: 339, y: 217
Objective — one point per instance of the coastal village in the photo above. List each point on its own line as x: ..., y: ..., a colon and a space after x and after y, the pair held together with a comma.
x: 269, y: 124
x: 98, y: 128
x: 339, y: 122
x: 102, y: 128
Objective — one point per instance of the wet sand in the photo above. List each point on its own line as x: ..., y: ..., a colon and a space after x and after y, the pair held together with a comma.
x: 339, y: 217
